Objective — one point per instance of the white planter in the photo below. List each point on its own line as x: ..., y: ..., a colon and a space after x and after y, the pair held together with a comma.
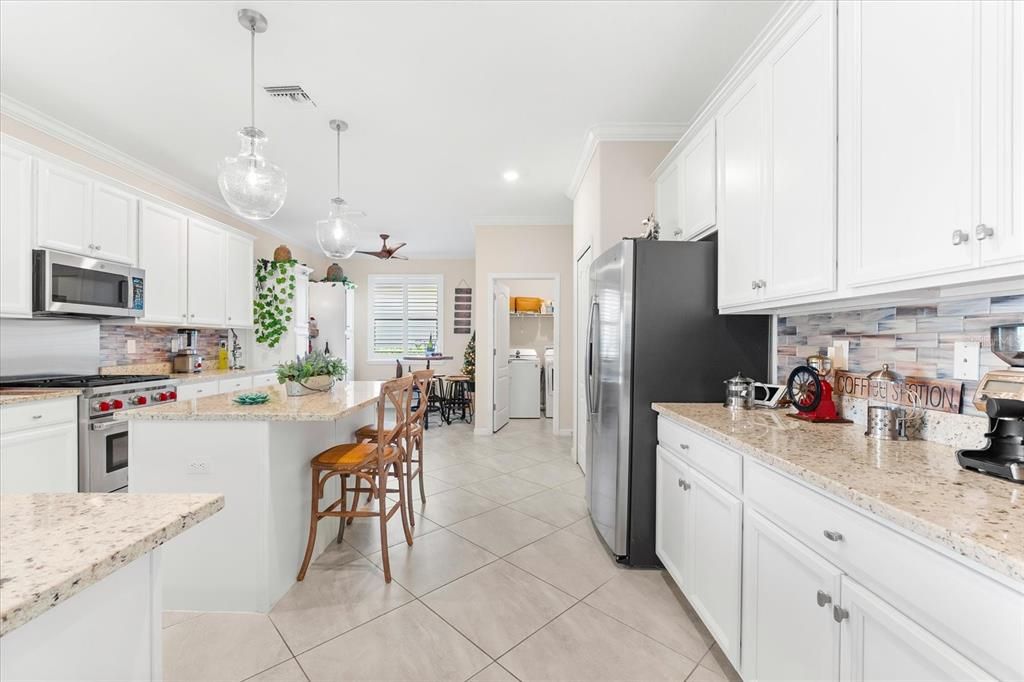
x: 319, y: 384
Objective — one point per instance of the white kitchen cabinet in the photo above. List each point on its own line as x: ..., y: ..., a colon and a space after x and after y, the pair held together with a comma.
x: 915, y: 88
x: 115, y: 220
x: 671, y: 516
x: 39, y: 447
x: 261, y: 380
x: 667, y: 202
x: 714, y: 542
x: 63, y: 209
x: 15, y: 232
x: 163, y: 254
x: 234, y: 384
x: 789, y: 632
x: 199, y: 389
x: 698, y: 183
x: 206, y: 280
x: 880, y: 643
x: 742, y: 149
x: 239, y: 280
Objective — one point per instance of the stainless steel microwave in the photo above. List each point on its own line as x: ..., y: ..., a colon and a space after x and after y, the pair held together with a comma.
x: 65, y: 284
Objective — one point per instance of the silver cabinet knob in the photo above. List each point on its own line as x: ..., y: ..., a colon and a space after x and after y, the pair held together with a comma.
x: 839, y: 614
x: 92, y: 246
x: 37, y: 416
x: 684, y: 446
x: 982, y: 232
x: 98, y: 247
x: 824, y: 598
x: 960, y: 237
x: 753, y: 284
x: 832, y: 535
x: 761, y: 284
x: 683, y: 484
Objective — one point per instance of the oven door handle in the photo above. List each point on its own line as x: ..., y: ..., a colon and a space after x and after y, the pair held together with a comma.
x: 106, y: 426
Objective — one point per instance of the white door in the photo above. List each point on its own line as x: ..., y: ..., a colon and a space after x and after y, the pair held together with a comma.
x: 115, y: 223
x: 15, y: 232
x: 350, y: 339
x: 501, y: 382
x: 788, y: 593
x: 880, y: 643
x: 206, y: 290
x: 699, y: 183
x: 802, y: 172
x: 239, y: 269
x: 163, y: 254
x: 671, y: 514
x: 64, y: 209
x: 582, y: 312
x: 300, y: 309
x: 715, y: 541
x: 909, y: 142
x: 742, y: 132
x: 40, y: 460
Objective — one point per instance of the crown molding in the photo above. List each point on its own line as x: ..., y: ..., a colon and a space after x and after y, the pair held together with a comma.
x: 620, y: 132
x: 519, y: 221
x: 61, y: 131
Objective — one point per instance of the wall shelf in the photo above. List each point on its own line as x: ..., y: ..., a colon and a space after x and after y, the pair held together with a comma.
x: 511, y: 314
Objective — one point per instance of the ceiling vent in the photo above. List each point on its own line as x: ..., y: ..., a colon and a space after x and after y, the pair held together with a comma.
x: 291, y: 93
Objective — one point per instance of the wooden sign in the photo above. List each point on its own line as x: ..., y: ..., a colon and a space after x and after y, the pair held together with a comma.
x: 463, y: 323
x: 933, y: 394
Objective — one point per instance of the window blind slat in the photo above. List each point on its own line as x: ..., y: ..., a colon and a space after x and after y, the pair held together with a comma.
x: 405, y: 313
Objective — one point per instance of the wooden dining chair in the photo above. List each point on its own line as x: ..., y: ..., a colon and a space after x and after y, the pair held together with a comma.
x: 414, y: 441
x: 368, y: 463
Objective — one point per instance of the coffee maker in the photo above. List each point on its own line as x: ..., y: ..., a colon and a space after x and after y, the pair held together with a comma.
x: 188, y: 359
x: 1003, y: 454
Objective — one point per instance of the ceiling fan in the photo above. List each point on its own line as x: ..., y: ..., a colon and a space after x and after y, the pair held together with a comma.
x: 386, y: 252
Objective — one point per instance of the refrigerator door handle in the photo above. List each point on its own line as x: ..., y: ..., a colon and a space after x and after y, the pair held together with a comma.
x: 594, y: 312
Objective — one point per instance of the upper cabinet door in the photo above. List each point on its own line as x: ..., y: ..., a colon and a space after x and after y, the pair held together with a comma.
x: 206, y: 276
x: 666, y: 202
x: 698, y: 183
x: 742, y: 142
x: 910, y: 75
x: 239, y: 281
x: 15, y: 232
x: 163, y: 254
x: 801, y: 73
x: 115, y: 222
x: 64, y: 209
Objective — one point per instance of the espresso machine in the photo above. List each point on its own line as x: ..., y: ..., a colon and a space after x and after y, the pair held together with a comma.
x: 1003, y: 453
x: 188, y: 359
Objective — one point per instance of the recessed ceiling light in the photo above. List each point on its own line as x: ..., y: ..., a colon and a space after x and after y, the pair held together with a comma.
x: 510, y: 175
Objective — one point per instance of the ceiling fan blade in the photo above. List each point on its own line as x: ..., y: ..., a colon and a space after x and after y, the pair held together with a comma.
x: 396, y: 247
x: 399, y: 258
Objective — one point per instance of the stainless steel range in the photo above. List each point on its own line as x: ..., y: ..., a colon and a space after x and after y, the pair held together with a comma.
x: 102, y: 427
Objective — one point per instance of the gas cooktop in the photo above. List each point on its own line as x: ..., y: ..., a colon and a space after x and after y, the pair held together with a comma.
x: 77, y: 380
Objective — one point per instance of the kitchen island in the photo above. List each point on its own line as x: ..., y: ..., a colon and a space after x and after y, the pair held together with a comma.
x: 80, y: 578
x: 257, y: 456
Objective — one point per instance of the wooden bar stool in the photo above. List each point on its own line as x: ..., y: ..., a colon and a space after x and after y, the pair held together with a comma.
x: 370, y: 463
x: 413, y: 438
x: 457, y: 397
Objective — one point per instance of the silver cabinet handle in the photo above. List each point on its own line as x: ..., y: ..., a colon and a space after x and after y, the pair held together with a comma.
x: 761, y: 284
x: 960, y: 237
x: 684, y: 446
x: 753, y: 284
x: 839, y: 614
x: 92, y: 246
x: 98, y: 247
x: 824, y: 598
x: 832, y: 535
x: 683, y: 484
x: 982, y: 232
x: 37, y: 416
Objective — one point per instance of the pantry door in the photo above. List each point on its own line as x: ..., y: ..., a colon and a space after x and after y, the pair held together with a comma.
x: 501, y: 371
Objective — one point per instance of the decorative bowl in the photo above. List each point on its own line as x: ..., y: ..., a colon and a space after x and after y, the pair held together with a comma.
x: 251, y: 398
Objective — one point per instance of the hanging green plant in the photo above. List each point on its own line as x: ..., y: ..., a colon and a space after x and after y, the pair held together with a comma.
x: 275, y: 291
x: 344, y: 281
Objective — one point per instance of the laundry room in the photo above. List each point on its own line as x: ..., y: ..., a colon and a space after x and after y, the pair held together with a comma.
x: 531, y: 347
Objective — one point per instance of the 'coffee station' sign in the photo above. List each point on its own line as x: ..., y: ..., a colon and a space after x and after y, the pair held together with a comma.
x: 934, y: 394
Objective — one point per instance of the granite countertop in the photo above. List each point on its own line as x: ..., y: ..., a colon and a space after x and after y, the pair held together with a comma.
x: 57, y: 544
x: 216, y: 374
x: 917, y: 485
x: 13, y: 396
x: 346, y: 397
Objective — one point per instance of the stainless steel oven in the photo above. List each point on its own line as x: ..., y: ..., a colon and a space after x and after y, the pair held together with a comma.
x: 65, y: 284
x: 107, y: 458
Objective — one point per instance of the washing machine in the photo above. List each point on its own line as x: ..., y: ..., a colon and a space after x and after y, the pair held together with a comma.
x: 524, y: 370
x: 549, y: 383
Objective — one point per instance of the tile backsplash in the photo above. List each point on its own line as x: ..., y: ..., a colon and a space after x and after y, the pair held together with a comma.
x: 914, y: 340
x: 152, y: 344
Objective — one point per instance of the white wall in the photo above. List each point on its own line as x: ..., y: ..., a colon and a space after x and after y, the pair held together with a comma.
x: 527, y: 250
x: 454, y: 271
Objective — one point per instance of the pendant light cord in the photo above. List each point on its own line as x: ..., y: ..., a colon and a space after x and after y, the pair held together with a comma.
x: 338, y: 157
x: 252, y: 74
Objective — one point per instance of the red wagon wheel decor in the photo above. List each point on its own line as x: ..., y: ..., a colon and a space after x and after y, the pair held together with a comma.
x: 804, y: 389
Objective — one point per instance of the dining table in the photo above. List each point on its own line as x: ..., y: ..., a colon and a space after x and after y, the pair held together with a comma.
x: 425, y: 358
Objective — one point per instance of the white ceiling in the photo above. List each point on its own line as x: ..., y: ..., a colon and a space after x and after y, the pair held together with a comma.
x: 441, y: 97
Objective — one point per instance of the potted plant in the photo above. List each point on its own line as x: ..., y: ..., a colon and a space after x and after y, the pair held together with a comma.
x: 312, y: 373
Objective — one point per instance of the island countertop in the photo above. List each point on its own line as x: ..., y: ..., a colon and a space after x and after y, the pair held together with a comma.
x: 57, y: 544
x: 917, y: 485
x: 344, y: 398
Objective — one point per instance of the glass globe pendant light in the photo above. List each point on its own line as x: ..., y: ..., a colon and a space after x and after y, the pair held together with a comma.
x: 251, y: 185
x: 337, y: 233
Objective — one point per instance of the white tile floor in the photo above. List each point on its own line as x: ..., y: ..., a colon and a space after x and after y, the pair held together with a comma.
x: 506, y: 580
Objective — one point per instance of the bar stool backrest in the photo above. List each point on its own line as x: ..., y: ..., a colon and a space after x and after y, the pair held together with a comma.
x: 397, y: 392
x: 421, y: 382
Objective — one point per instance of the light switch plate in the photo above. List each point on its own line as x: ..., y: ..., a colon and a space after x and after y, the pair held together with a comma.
x: 130, y: 346
x: 966, y: 360
x: 840, y: 354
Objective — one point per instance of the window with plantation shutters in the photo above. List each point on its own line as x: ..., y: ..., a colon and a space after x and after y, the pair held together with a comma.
x: 404, y: 314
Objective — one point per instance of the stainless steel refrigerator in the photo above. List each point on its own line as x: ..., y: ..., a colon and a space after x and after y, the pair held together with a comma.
x: 654, y: 335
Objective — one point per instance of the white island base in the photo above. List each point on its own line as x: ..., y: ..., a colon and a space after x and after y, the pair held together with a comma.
x: 248, y: 556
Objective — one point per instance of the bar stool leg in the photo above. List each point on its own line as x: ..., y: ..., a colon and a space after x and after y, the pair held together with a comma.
x: 342, y: 521
x: 314, y: 516
x: 382, y: 506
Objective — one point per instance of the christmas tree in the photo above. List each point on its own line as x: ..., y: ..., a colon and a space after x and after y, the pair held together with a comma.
x: 469, y: 359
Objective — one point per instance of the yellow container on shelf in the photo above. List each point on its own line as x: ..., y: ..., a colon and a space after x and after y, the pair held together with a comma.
x: 528, y: 304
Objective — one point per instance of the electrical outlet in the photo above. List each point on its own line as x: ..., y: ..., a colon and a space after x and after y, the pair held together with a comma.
x: 198, y: 466
x: 840, y: 354
x: 966, y: 360
x: 130, y: 346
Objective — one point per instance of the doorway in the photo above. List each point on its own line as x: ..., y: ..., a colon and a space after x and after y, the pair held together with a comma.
x: 580, y: 376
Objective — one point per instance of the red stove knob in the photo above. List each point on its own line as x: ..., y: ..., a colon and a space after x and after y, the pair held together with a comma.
x: 117, y: 404
x: 172, y: 395
x: 140, y: 400
x: 103, y: 406
x: 161, y: 397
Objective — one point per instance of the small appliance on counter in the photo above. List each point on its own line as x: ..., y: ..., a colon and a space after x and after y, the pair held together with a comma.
x: 810, y: 392
x: 888, y: 415
x: 1008, y: 346
x: 188, y: 359
x: 744, y: 393
x: 1003, y: 454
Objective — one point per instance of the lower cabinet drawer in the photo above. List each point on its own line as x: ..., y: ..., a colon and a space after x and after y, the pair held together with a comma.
x: 717, y: 462
x: 264, y: 380
x: 978, y: 616
x: 198, y: 390
x: 38, y: 413
x: 238, y: 384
